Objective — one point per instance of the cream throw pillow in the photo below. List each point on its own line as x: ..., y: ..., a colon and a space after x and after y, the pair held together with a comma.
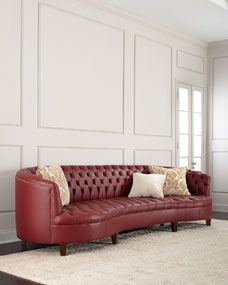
x: 175, y: 183
x: 56, y: 174
x: 147, y: 185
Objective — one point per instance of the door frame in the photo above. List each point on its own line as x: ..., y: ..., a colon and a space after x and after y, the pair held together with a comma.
x: 191, y: 87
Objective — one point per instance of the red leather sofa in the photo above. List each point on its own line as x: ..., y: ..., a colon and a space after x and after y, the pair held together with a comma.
x: 99, y: 206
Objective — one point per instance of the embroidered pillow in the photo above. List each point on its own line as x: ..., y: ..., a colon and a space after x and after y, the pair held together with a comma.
x: 56, y: 174
x: 147, y: 185
x: 175, y: 183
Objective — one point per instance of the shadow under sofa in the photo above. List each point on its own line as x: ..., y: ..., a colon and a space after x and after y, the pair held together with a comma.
x: 99, y: 205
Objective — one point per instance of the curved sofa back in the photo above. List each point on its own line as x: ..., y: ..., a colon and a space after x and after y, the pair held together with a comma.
x: 104, y: 181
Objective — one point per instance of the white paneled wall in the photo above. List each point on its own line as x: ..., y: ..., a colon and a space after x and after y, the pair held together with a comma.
x: 220, y: 96
x: 190, y: 62
x: 153, y: 87
x: 156, y: 157
x: 218, y: 135
x: 10, y: 162
x: 10, y: 62
x: 82, y: 84
x: 77, y: 155
x: 70, y: 71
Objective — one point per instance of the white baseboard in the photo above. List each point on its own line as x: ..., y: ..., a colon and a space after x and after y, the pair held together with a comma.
x: 8, y: 236
x: 220, y: 207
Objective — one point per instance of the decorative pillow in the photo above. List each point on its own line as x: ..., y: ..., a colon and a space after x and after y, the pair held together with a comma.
x: 175, y: 183
x: 56, y: 174
x: 147, y: 185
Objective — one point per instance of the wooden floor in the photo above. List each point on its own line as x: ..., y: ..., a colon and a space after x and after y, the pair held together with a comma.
x: 14, y: 247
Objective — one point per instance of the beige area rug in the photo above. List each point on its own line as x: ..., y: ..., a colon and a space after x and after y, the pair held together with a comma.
x: 196, y: 254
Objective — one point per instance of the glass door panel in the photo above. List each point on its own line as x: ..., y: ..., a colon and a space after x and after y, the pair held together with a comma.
x: 183, y: 145
x: 183, y: 128
x: 183, y: 161
x: 190, y: 127
x: 197, y: 146
x: 197, y: 101
x: 183, y: 99
x: 197, y: 129
x: 197, y: 163
x: 183, y: 122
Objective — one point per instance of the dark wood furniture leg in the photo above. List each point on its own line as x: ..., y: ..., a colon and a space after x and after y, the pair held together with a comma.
x: 114, y: 238
x: 24, y: 245
x: 208, y: 222
x: 62, y: 249
x: 174, y: 226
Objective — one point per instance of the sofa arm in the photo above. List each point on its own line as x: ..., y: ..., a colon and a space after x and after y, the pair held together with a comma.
x: 198, y: 183
x: 37, y: 203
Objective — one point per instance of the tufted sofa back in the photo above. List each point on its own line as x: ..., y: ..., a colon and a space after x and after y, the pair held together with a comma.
x: 104, y: 181
x: 101, y: 181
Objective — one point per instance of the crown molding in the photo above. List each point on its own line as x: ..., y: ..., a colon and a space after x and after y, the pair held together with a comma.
x: 100, y: 4
x: 217, y: 44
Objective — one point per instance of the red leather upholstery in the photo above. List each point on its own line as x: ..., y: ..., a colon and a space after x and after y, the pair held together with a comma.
x: 37, y: 203
x: 99, y: 205
x: 99, y: 182
x: 198, y: 183
x: 93, y: 211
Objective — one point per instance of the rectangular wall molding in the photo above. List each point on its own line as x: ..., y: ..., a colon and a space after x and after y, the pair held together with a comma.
x: 220, y: 202
x: 218, y: 134
x: 152, y: 156
x: 7, y: 226
x: 152, y: 87
x: 219, y: 172
x: 79, y: 155
x: 190, y: 62
x: 8, y: 236
x: 11, y: 62
x: 11, y: 161
x: 219, y: 98
x: 88, y: 102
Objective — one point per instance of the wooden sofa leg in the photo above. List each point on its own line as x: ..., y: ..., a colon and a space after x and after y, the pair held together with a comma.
x: 208, y: 222
x: 114, y: 238
x: 174, y: 226
x: 62, y: 249
x: 24, y: 245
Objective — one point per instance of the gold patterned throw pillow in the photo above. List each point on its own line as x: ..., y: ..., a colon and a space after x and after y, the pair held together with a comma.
x: 175, y: 183
x: 56, y: 174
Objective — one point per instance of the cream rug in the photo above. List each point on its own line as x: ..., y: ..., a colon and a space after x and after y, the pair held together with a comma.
x: 196, y: 254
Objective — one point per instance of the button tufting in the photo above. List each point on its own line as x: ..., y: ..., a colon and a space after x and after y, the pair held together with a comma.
x: 113, y: 181
x: 94, y: 210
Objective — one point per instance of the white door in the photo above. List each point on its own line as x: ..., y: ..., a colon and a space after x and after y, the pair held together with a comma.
x: 190, y: 127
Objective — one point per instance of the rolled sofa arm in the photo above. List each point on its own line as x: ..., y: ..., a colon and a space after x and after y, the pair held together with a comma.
x: 37, y: 203
x: 198, y: 183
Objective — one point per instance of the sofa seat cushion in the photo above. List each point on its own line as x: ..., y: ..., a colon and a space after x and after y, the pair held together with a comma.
x: 95, y: 211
